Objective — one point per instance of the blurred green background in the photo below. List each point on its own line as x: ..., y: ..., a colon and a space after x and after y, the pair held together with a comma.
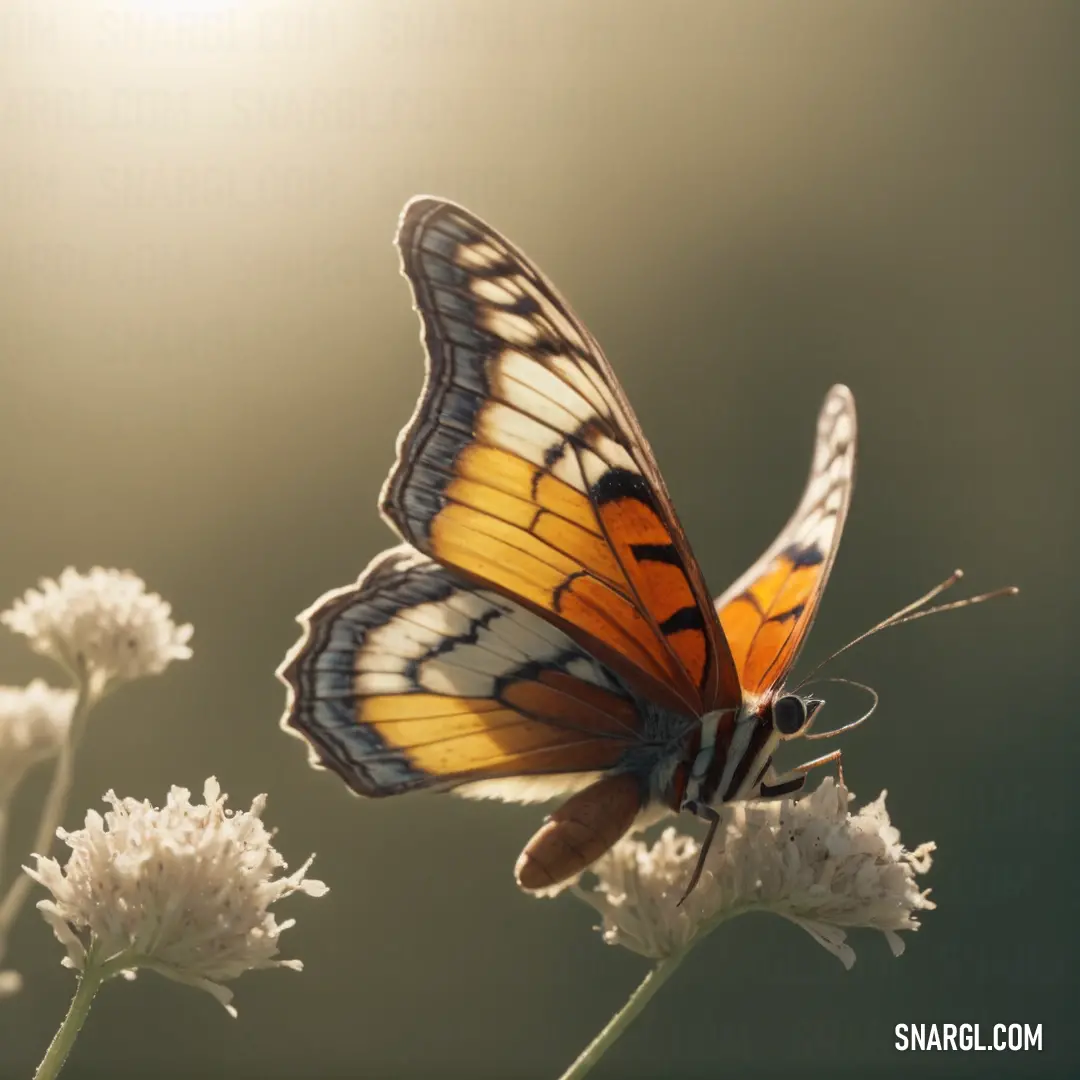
x: 206, y: 353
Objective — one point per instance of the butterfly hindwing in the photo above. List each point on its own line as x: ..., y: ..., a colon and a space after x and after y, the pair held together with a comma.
x: 768, y: 612
x: 415, y: 678
x: 524, y: 467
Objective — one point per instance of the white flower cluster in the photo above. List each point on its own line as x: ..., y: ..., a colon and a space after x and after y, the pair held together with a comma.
x: 809, y: 860
x: 183, y: 890
x: 34, y: 722
x: 103, y: 624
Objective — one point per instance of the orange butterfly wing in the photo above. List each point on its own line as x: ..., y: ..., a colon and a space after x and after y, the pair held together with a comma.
x: 525, y: 469
x: 768, y: 612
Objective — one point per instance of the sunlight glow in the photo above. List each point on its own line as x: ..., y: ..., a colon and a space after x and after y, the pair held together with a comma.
x: 181, y: 7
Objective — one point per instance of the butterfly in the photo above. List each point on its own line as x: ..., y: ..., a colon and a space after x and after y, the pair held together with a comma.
x: 544, y: 629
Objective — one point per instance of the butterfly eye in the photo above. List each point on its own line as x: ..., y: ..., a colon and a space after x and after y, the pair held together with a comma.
x: 790, y: 715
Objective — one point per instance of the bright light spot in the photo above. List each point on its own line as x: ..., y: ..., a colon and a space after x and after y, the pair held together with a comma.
x: 181, y: 7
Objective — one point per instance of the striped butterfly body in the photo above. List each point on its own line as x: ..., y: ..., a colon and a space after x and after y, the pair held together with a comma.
x: 544, y: 629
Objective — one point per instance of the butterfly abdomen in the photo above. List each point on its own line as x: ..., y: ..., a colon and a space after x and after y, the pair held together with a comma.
x: 580, y: 831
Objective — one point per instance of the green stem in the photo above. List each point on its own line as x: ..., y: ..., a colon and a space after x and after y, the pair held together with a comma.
x: 52, y: 813
x: 3, y: 837
x: 89, y: 984
x: 625, y: 1016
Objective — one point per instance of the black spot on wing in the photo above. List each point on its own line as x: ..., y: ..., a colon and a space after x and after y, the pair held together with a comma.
x: 687, y: 618
x: 525, y: 305
x: 618, y: 483
x: 791, y: 613
x: 660, y: 553
x: 800, y: 556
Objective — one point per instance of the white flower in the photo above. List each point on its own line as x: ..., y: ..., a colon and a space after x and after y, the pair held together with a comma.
x: 103, y: 623
x: 34, y: 722
x: 183, y: 890
x: 809, y: 860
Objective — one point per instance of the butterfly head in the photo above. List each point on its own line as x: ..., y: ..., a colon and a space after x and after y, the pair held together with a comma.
x: 792, y: 715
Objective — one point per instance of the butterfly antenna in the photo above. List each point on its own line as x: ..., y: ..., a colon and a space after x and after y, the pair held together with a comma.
x: 854, y: 723
x: 916, y: 610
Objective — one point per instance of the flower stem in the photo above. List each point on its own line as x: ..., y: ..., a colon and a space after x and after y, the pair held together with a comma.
x: 53, y: 1061
x: 625, y: 1016
x: 3, y: 837
x: 52, y: 813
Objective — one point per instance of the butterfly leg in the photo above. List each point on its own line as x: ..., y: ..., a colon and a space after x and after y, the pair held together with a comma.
x: 709, y: 814
x: 793, y: 780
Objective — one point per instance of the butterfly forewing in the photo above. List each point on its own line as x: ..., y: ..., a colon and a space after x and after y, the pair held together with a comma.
x: 525, y: 468
x: 768, y: 612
